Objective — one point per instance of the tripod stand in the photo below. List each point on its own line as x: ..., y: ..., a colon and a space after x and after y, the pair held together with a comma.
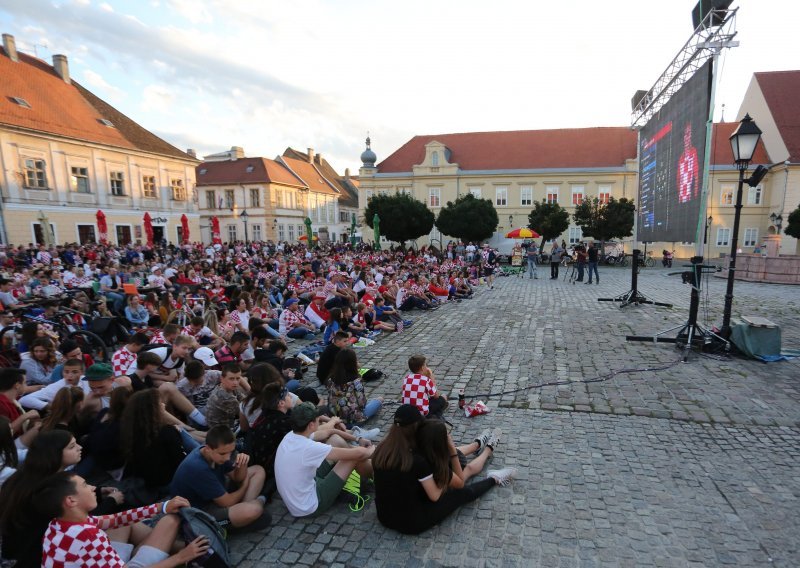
x: 690, y: 333
x: 633, y: 296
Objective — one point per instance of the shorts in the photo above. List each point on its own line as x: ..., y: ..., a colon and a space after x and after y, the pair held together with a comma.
x: 145, y: 556
x: 488, y: 271
x: 219, y: 513
x: 329, y: 486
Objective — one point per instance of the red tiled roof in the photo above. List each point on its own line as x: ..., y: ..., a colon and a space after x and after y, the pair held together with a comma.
x: 263, y: 170
x: 523, y: 149
x: 348, y: 195
x: 312, y: 177
x: 721, y: 153
x: 781, y: 90
x: 68, y: 110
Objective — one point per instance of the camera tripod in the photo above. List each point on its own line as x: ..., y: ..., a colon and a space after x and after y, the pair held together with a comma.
x: 633, y: 296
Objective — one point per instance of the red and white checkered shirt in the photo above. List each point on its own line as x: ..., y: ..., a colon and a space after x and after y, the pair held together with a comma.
x: 68, y: 544
x: 158, y: 338
x: 417, y: 289
x: 417, y: 390
x: 329, y: 290
x: 288, y: 319
x: 121, y: 360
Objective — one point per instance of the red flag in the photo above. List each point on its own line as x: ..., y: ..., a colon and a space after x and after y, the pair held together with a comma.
x: 102, y: 227
x: 148, y: 228
x: 185, y: 229
x: 215, y: 236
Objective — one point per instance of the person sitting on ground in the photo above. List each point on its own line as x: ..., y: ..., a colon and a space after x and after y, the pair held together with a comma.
x: 341, y: 339
x: 309, y: 473
x: 42, y: 362
x: 271, y: 426
x: 222, y: 408
x: 202, y: 334
x: 413, y: 494
x: 63, y: 411
x: 24, y: 424
x: 316, y: 313
x: 125, y: 356
x: 209, y: 472
x: 387, y: 313
x: 70, y: 377
x: 136, y: 314
x: 172, y: 358
x: 102, y: 444
x: 198, y: 381
x: 275, y: 354
x: 258, y: 339
x: 346, y: 396
x: 333, y: 325
x: 293, y: 323
x: 166, y: 336
x: 232, y: 353
x: 74, y: 538
x: 419, y: 388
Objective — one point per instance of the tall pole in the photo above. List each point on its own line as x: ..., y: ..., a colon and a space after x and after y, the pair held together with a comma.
x: 726, y: 314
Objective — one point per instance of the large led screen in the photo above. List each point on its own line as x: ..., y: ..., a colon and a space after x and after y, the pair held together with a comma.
x: 671, y: 157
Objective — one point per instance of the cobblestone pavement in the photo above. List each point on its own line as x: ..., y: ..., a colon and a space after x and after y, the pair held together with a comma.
x: 692, y: 465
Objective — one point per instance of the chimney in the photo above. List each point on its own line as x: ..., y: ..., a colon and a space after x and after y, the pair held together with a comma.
x: 10, y: 45
x: 191, y: 152
x: 311, y: 155
x: 347, y: 173
x: 62, y: 67
x: 236, y: 153
x: 318, y: 159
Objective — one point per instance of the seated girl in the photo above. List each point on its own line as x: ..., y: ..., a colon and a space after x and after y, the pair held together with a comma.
x: 346, y: 396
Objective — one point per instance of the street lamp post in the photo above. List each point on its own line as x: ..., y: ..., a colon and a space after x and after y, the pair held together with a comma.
x: 743, y: 143
x: 777, y: 220
x: 708, y: 227
x: 244, y: 216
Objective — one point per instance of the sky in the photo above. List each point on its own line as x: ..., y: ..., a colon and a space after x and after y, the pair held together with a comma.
x: 265, y: 75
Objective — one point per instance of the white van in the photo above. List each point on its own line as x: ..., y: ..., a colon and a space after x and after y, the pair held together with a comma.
x: 502, y: 245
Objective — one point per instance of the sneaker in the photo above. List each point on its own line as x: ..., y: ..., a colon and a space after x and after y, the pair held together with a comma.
x: 370, y: 435
x: 482, y: 440
x: 502, y: 476
x: 305, y: 359
x: 408, y: 323
x: 494, y: 439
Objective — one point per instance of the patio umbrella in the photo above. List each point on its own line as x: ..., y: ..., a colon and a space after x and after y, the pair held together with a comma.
x: 523, y: 233
x: 185, y: 228
x: 376, y: 227
x: 216, y: 239
x: 47, y: 234
x: 305, y: 238
x: 148, y: 228
x: 102, y: 227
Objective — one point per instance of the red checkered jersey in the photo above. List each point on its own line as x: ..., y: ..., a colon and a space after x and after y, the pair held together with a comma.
x: 417, y: 289
x: 329, y: 289
x: 158, y: 338
x: 121, y: 360
x: 68, y: 544
x: 417, y: 390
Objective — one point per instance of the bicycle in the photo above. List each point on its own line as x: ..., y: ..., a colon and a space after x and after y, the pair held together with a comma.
x: 90, y: 343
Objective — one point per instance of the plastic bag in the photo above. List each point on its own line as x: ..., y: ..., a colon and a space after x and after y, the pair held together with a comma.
x: 476, y: 409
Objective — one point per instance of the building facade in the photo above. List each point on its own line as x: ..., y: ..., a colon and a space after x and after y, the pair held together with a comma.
x: 66, y: 155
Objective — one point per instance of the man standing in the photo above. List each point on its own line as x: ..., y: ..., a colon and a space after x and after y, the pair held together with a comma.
x: 555, y: 260
x: 592, y: 254
x: 533, y: 258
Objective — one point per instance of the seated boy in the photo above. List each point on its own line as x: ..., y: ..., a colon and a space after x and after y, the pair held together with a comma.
x: 419, y: 388
x: 310, y: 474
x: 198, y: 383
x: 167, y: 335
x: 208, y: 472
x: 70, y: 377
x: 232, y: 353
x: 341, y: 339
x: 222, y: 408
x: 124, y: 357
x: 172, y: 359
x: 74, y: 538
x: 202, y: 333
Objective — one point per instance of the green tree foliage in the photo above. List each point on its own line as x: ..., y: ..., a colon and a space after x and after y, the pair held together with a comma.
x: 548, y: 219
x: 403, y: 218
x: 793, y: 227
x: 468, y: 219
x: 605, y: 222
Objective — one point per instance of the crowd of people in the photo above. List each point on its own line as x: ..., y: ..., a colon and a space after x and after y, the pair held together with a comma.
x: 200, y: 403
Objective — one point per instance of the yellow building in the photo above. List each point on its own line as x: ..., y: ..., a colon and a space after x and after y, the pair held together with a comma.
x: 66, y: 154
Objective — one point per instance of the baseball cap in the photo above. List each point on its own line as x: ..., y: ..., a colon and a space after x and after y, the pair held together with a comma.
x: 407, y: 414
x: 291, y: 301
x: 206, y: 356
x: 303, y: 414
x: 99, y: 372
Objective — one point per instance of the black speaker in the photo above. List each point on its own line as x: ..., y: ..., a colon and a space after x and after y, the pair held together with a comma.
x: 703, y: 7
x: 637, y: 98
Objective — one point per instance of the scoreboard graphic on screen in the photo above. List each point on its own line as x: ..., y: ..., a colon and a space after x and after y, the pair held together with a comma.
x: 671, y: 157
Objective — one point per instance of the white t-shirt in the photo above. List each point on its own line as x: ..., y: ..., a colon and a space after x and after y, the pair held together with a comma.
x: 41, y: 398
x: 296, y: 463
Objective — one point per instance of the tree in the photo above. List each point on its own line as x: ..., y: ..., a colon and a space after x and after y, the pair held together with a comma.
x: 402, y: 217
x: 793, y: 224
x: 548, y: 219
x: 468, y: 219
x: 605, y: 221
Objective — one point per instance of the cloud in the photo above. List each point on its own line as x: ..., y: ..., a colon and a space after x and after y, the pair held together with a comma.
x: 157, y: 98
x: 96, y: 81
x: 191, y: 10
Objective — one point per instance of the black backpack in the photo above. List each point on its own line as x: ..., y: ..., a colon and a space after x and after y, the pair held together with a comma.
x: 194, y: 523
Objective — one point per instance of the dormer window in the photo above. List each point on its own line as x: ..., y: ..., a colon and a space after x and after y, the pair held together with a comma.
x: 21, y: 102
x: 435, y: 159
x: 105, y: 122
x: 203, y: 171
x: 249, y: 169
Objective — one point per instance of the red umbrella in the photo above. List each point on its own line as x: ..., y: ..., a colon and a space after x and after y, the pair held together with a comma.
x: 215, y: 236
x: 523, y: 233
x: 148, y: 228
x: 185, y: 228
x: 102, y: 227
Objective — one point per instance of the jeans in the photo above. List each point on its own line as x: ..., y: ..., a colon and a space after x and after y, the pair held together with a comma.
x: 581, y: 269
x: 532, y: 269
x: 413, y: 302
x: 272, y: 331
x: 593, y: 268
x: 553, y: 270
x: 117, y: 299
x: 292, y: 385
x: 300, y: 333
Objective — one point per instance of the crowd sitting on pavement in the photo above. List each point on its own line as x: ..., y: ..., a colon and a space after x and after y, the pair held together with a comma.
x: 197, y: 401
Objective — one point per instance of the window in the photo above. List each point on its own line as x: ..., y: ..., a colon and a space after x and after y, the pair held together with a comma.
x: 211, y: 199
x: 344, y: 216
x: 723, y: 237
x: 105, y: 122
x: 232, y: 233
x: 575, y: 235
x: 754, y: 195
x: 291, y: 233
x: 281, y: 232
x: 117, y: 182
x: 35, y: 177
x: 551, y: 191
x: 434, y: 196
x: 726, y: 195
x: 257, y: 232
x: 149, y: 187
x: 476, y: 192
x: 86, y: 234
x: 21, y: 102
x: 178, y: 190
x: 750, y: 237
x: 368, y: 193
x: 577, y: 194
x: 123, y: 234
x: 526, y: 195
x: 255, y: 197
x: 230, y: 200
x: 501, y: 195
x: 301, y: 230
x: 435, y: 159
x: 79, y: 180
x: 604, y: 194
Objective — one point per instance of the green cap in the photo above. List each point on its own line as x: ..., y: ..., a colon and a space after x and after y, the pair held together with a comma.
x: 303, y: 414
x: 99, y: 372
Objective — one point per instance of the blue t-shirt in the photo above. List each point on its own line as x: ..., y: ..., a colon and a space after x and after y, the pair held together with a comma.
x: 198, y: 481
x: 327, y: 337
